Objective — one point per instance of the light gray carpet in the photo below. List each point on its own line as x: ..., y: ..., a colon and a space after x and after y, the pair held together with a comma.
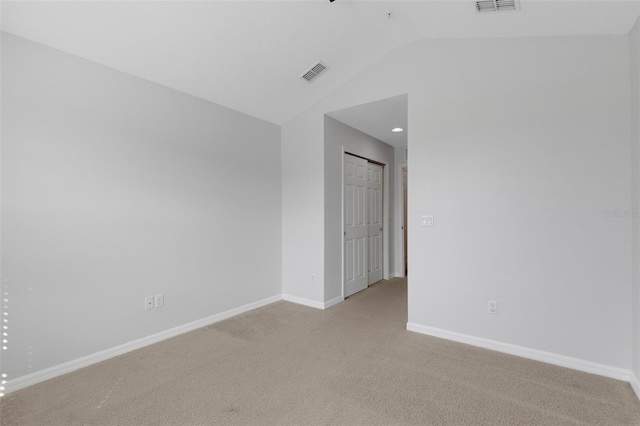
x: 353, y: 364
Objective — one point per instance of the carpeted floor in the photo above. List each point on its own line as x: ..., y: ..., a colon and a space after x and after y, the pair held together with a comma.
x: 353, y: 364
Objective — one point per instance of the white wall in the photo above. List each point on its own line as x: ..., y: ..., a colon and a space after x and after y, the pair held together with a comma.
x: 518, y: 146
x: 115, y: 188
x: 634, y: 54
x: 339, y: 138
x: 518, y: 173
x: 302, y: 211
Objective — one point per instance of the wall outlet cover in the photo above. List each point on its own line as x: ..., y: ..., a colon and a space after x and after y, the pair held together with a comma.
x: 148, y: 303
x: 159, y: 300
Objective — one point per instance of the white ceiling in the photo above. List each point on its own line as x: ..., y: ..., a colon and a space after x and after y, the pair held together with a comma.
x: 376, y: 119
x: 248, y: 55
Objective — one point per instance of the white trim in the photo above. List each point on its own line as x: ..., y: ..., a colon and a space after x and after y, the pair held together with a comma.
x: 334, y: 301
x: 67, y: 367
x: 399, y: 251
x: 312, y: 303
x: 635, y: 384
x: 303, y: 301
x: 342, y: 231
x: 548, y: 357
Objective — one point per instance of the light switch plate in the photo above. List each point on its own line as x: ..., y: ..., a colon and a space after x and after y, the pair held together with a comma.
x: 427, y: 220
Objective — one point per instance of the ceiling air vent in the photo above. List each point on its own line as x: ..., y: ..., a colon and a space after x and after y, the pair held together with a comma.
x: 496, y: 5
x: 314, y: 71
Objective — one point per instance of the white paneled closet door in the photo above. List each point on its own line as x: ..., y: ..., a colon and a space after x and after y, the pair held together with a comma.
x: 362, y: 223
x: 355, y: 225
x: 374, y: 221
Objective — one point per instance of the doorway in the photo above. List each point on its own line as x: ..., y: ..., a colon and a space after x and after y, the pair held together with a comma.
x: 365, y: 131
x: 363, y: 223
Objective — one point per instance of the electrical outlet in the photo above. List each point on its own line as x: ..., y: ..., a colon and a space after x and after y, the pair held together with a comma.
x: 159, y: 300
x: 148, y: 303
x: 492, y: 307
x: 313, y: 278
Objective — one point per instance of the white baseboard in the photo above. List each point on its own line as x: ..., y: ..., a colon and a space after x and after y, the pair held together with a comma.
x: 303, y: 301
x: 312, y: 303
x: 333, y: 301
x: 67, y: 367
x: 635, y: 384
x: 548, y: 357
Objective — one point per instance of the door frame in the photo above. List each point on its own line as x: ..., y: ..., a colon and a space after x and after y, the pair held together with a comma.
x: 400, y: 218
x: 385, y: 211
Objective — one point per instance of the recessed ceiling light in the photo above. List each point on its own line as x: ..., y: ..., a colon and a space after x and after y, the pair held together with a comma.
x: 397, y: 130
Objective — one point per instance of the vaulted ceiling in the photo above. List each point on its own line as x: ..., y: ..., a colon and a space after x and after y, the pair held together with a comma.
x: 249, y: 55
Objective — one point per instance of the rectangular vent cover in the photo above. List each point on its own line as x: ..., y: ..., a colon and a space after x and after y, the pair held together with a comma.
x: 314, y: 71
x: 496, y: 5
